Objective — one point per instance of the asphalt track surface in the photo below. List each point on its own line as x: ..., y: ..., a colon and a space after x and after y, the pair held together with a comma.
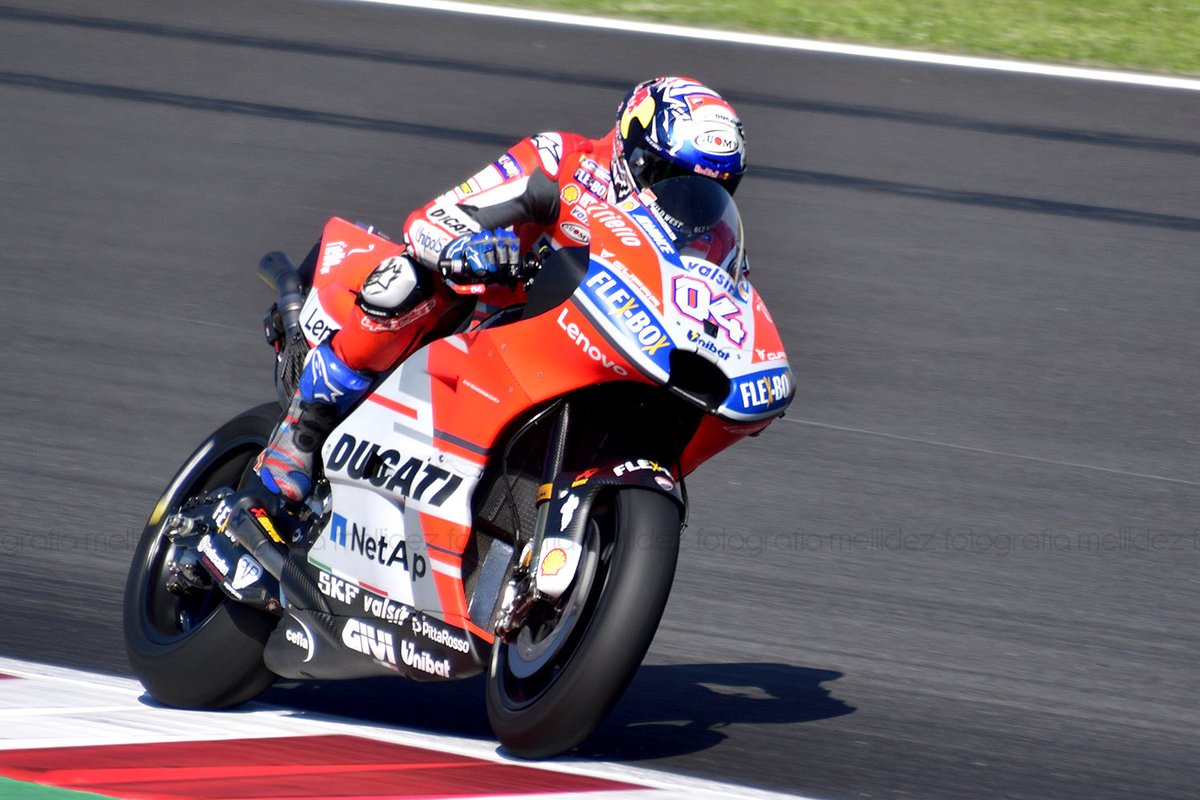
x: 964, y: 565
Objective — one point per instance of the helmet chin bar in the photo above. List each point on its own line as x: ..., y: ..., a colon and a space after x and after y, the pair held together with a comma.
x: 622, y: 180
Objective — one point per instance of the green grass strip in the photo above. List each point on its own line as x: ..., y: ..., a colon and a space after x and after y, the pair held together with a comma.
x: 1149, y: 35
x: 20, y: 790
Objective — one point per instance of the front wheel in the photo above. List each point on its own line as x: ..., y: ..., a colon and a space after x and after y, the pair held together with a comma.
x: 197, y: 648
x: 562, y: 672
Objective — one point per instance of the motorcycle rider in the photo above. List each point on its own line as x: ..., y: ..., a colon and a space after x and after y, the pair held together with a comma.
x: 532, y: 199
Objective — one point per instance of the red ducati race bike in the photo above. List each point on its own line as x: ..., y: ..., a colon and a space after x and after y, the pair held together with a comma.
x: 507, y: 500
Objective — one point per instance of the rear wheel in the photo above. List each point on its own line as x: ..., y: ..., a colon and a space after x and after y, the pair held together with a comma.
x: 197, y: 648
x: 565, y: 668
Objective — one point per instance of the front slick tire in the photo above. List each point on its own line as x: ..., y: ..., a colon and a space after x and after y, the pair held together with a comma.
x: 557, y: 679
x: 199, y: 649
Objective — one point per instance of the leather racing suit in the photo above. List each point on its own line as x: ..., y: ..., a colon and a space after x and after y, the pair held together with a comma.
x: 541, y: 188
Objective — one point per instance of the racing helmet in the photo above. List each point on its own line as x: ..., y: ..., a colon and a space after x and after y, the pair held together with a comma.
x: 673, y: 126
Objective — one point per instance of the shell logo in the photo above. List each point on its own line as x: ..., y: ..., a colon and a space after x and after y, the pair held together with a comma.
x: 570, y: 193
x: 553, y: 562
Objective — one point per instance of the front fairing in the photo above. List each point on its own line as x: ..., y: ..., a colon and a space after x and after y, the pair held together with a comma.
x: 686, y: 299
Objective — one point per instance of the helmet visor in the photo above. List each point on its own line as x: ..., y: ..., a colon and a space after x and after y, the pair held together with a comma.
x: 649, y: 168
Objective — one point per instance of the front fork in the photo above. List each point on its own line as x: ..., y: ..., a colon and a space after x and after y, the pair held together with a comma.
x: 522, y: 592
x: 549, y: 562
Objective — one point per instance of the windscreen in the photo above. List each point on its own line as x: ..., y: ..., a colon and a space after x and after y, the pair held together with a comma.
x: 702, y: 218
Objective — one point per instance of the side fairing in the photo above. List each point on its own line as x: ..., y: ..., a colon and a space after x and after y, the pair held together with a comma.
x: 403, y: 466
x: 401, y: 503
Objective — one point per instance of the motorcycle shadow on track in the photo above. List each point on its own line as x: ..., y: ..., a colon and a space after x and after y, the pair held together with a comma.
x: 668, y: 710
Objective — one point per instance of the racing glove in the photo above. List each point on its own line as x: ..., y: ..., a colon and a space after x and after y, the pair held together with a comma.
x: 482, y: 257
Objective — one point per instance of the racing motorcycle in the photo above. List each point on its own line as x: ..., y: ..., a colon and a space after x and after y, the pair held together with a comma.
x: 508, y: 499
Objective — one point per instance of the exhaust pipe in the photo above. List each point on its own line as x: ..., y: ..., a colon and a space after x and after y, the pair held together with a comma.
x: 249, y: 532
x: 278, y: 272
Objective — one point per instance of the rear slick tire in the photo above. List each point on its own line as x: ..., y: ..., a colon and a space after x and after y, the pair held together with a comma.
x: 626, y: 574
x: 200, y: 649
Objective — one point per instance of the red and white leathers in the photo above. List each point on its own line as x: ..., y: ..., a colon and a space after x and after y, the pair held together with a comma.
x: 541, y: 188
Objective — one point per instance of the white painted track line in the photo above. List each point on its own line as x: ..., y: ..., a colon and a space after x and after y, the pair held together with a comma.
x: 48, y: 706
x: 809, y: 45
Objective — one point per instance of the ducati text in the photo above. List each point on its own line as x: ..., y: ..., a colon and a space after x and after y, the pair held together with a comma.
x: 410, y: 477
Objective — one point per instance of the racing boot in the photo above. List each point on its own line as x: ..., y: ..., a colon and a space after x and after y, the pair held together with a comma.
x: 327, y: 390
